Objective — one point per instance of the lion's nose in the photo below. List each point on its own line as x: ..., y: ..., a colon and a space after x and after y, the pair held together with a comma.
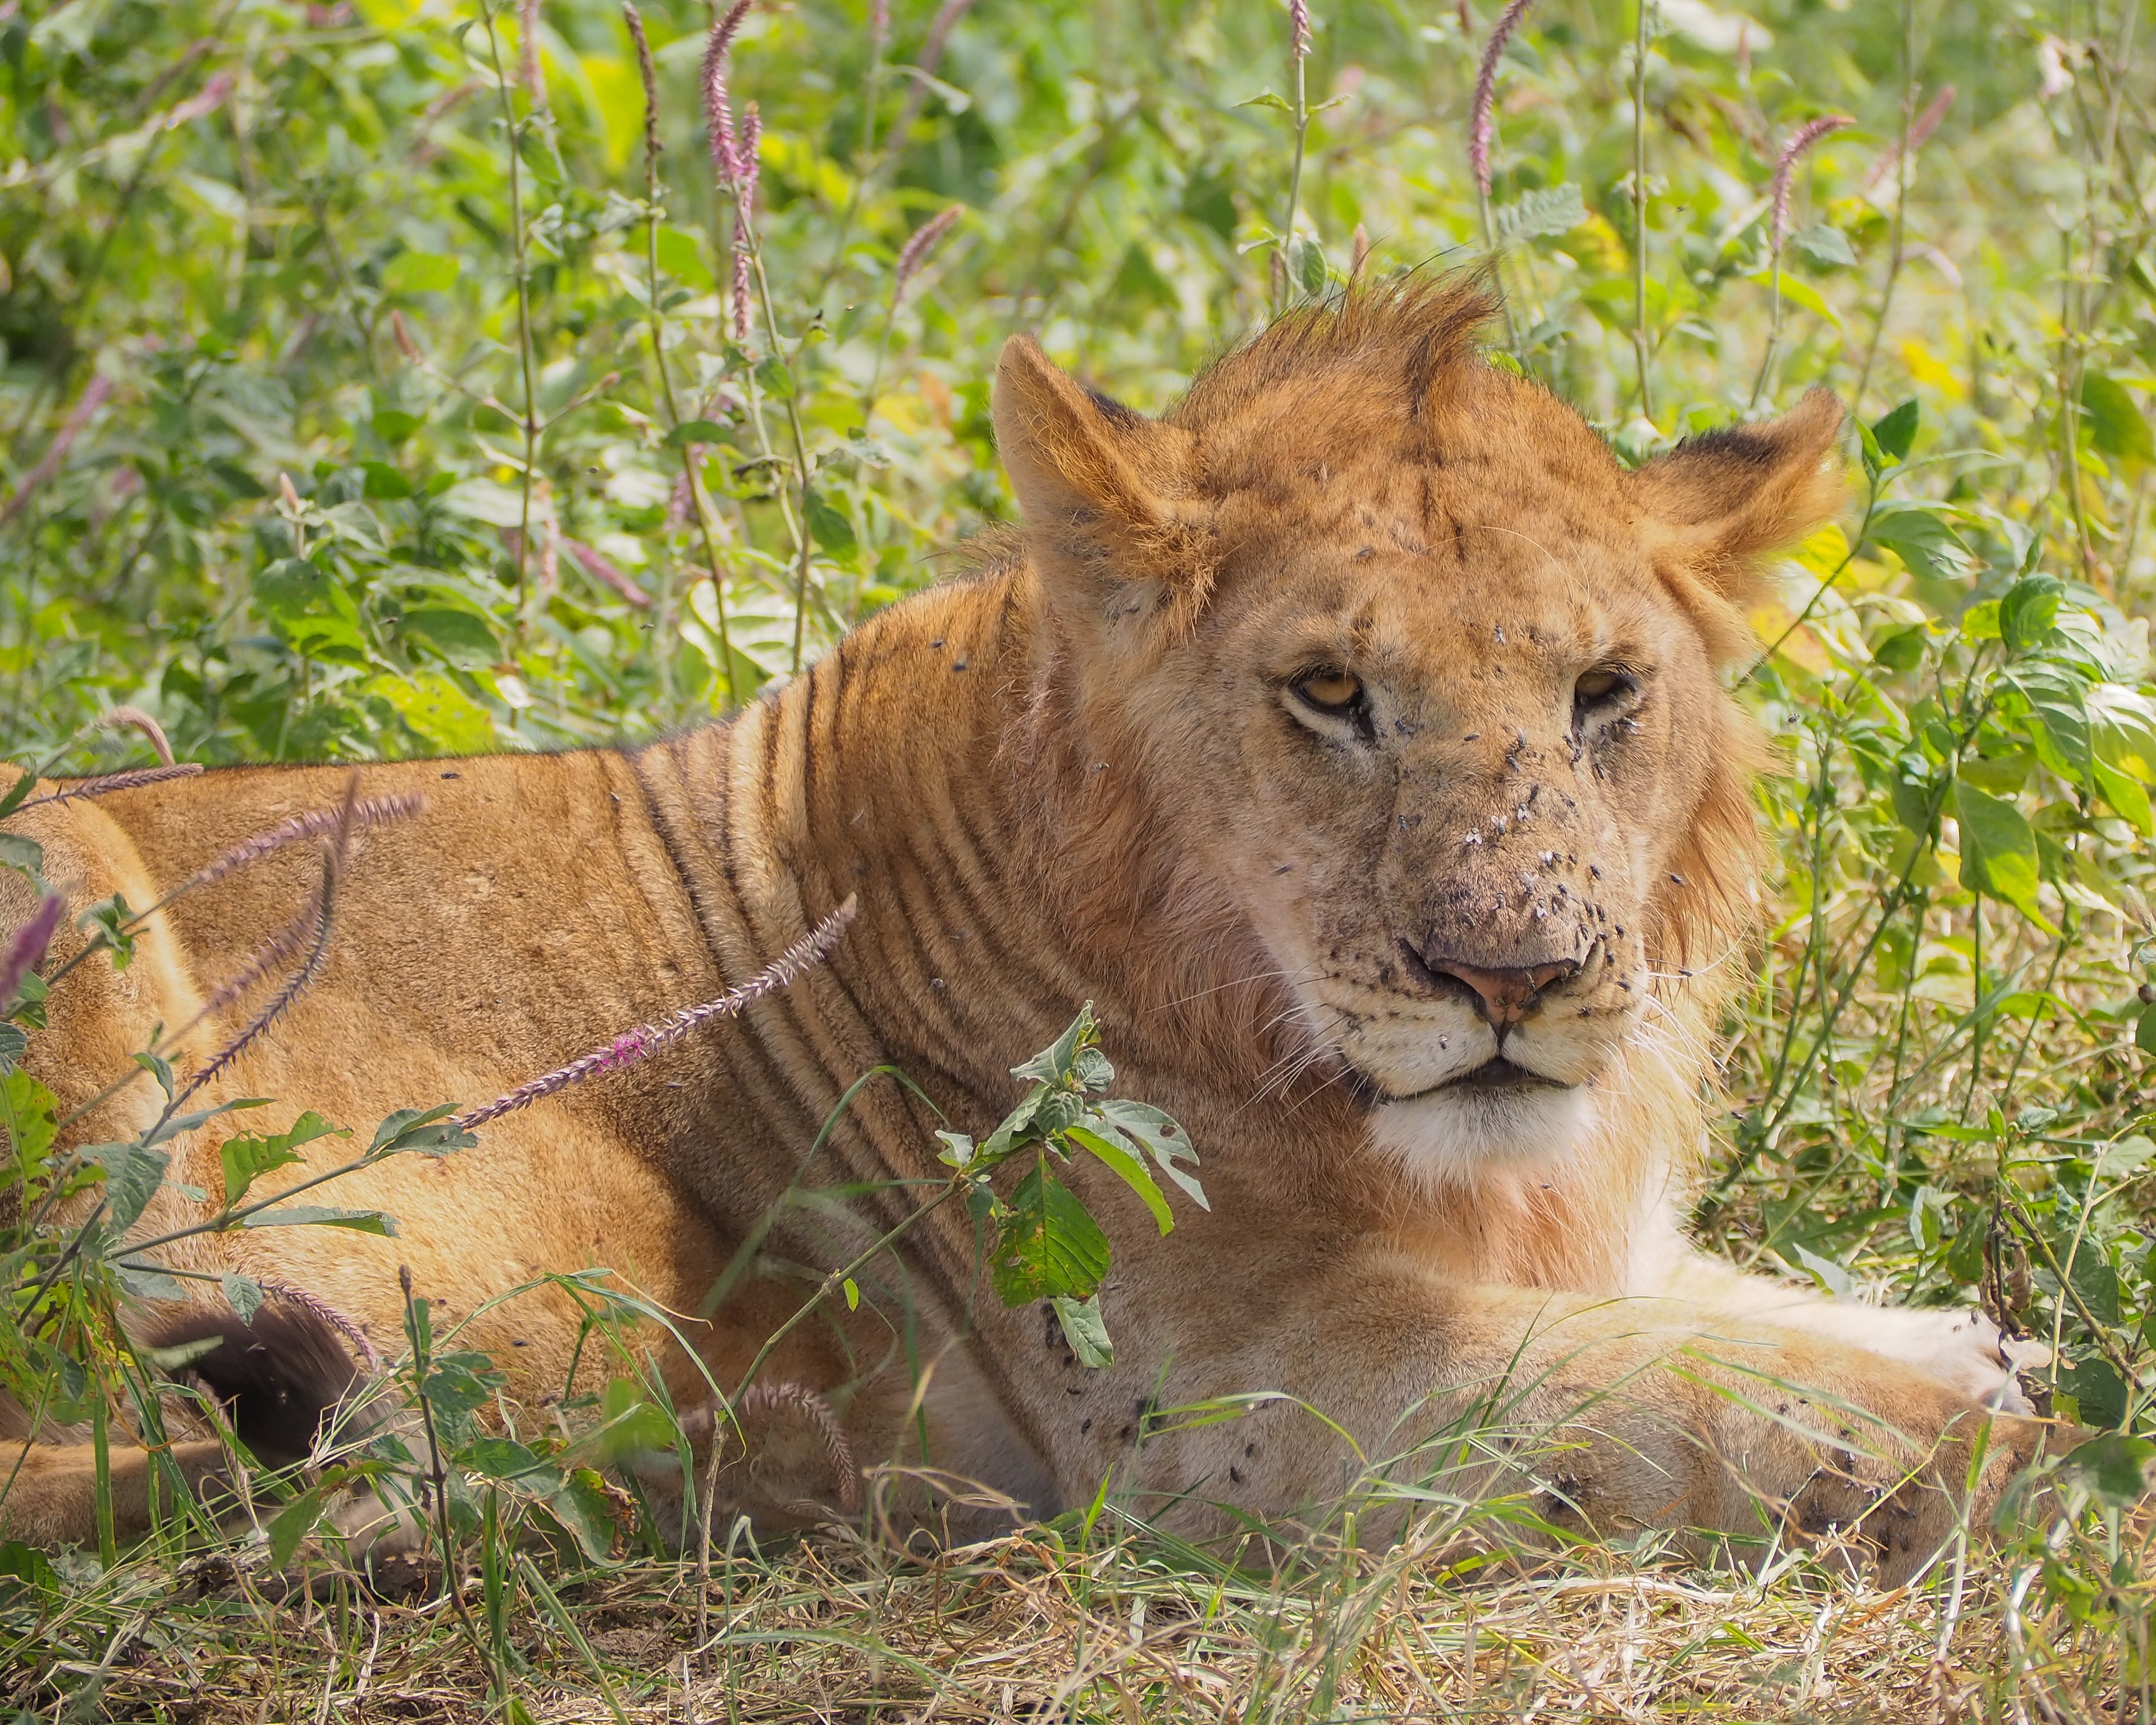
x: 1506, y: 994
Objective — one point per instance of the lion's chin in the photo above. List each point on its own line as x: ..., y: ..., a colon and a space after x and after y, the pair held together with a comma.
x: 1460, y: 1134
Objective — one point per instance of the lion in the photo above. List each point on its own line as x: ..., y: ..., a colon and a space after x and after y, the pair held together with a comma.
x: 1352, y: 733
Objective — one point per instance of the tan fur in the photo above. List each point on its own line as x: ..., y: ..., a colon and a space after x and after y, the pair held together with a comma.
x: 1085, y: 773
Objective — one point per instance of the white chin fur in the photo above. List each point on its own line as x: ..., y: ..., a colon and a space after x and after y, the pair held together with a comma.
x: 1455, y: 1135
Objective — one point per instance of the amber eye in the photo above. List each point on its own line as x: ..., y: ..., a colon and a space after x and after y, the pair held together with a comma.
x: 1600, y: 690
x: 1330, y: 691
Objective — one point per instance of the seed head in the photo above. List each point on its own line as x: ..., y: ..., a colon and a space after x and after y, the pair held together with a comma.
x: 1486, y: 91
x: 1799, y: 141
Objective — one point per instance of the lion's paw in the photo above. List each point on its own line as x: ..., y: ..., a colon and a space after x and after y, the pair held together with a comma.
x: 1963, y: 1350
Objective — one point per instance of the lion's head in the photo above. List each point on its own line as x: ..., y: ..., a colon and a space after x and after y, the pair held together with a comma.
x: 1404, y: 673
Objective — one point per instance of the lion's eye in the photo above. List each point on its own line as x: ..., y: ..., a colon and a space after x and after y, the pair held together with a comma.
x: 1333, y: 692
x: 1601, y: 691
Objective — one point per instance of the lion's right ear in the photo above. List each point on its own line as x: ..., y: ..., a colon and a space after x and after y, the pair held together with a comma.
x: 1105, y: 493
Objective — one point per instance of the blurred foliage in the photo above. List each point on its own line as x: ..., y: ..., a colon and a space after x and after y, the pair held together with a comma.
x: 333, y: 424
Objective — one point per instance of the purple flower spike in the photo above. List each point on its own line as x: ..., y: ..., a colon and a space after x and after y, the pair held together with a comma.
x: 1298, y: 22
x: 915, y: 251
x: 633, y: 1046
x: 29, y: 945
x: 1920, y: 131
x: 718, y: 107
x: 1486, y: 91
x: 1801, y: 140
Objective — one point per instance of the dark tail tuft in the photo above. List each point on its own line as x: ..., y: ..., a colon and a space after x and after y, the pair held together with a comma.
x: 278, y: 1376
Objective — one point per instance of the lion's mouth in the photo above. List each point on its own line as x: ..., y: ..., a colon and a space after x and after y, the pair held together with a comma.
x: 1495, y: 1074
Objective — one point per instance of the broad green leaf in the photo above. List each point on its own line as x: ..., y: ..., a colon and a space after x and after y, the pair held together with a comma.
x: 1825, y: 243
x: 461, y: 637
x: 697, y: 431
x: 681, y: 256
x: 243, y: 1293
x: 246, y: 1159
x: 432, y: 1130
x: 632, y: 1422
x: 439, y: 712
x: 1896, y: 430
x: 1921, y: 539
x: 1830, y: 1277
x: 18, y: 852
x: 314, y: 1215
x: 584, y: 1507
x: 1084, y: 1329
x: 504, y: 1459
x: 420, y: 273
x: 2029, y: 609
x: 1547, y: 211
x: 833, y: 532
x: 30, y: 1110
x: 1122, y: 1157
x: 2114, y: 1467
x: 1165, y: 1141
x: 2117, y: 427
x: 1052, y: 1064
x: 293, y: 1524
x: 1998, y: 852
x: 132, y: 1174
x: 1049, y: 1244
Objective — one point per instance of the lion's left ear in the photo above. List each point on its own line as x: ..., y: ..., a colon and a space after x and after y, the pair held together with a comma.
x: 1716, y: 506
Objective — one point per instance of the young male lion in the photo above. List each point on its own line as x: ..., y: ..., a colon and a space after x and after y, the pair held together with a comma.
x: 1351, y: 734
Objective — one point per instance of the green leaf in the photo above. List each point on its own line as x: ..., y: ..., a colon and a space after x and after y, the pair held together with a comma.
x: 133, y: 1175
x: 420, y: 273
x: 314, y: 1215
x: 393, y: 426
x: 1825, y: 244
x: 242, y: 1294
x: 1998, y: 852
x: 18, y: 852
x: 585, y: 1510
x: 439, y: 712
x: 2117, y: 426
x: 245, y: 1160
x: 1549, y: 211
x: 29, y: 1110
x: 632, y: 1422
x: 1054, y: 1063
x: 2029, y: 609
x: 957, y: 1149
x: 294, y: 1523
x: 26, y: 1564
x: 106, y: 922
x: 2095, y: 1384
x: 1049, y: 1244
x: 429, y: 1129
x: 1305, y: 265
x: 697, y: 431
x: 1266, y: 98
x: 2113, y: 1467
x: 852, y: 1293
x: 1122, y: 1157
x: 1830, y: 1277
x: 1927, y: 544
x: 461, y: 637
x: 833, y: 532
x: 681, y: 256
x: 504, y: 1459
x: 383, y: 480
x: 1085, y: 1330
x: 1895, y: 431
x: 1165, y: 1141
x: 775, y: 380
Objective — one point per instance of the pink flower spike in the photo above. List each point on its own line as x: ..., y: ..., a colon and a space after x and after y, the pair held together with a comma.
x: 106, y: 784
x: 206, y: 100
x: 915, y: 251
x: 1298, y: 20
x: 1486, y: 91
x: 93, y: 396
x: 718, y: 107
x: 601, y: 570
x: 1799, y: 141
x: 633, y: 1046
x: 1920, y: 131
x: 29, y: 944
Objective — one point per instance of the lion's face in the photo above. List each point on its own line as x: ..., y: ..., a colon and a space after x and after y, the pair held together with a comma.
x: 1448, y: 777
x: 1422, y: 684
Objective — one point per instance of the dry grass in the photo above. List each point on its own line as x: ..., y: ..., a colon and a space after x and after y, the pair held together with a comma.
x: 1132, y: 1629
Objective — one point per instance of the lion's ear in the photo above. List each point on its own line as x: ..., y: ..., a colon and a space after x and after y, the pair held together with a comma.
x: 1104, y: 491
x: 1716, y: 506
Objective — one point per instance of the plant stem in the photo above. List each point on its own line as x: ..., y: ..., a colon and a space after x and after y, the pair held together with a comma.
x: 528, y: 419
x: 1295, y: 179
x: 1895, y: 256
x: 1640, y: 343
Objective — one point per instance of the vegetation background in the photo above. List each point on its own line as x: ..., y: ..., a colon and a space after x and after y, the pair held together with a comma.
x: 370, y: 389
